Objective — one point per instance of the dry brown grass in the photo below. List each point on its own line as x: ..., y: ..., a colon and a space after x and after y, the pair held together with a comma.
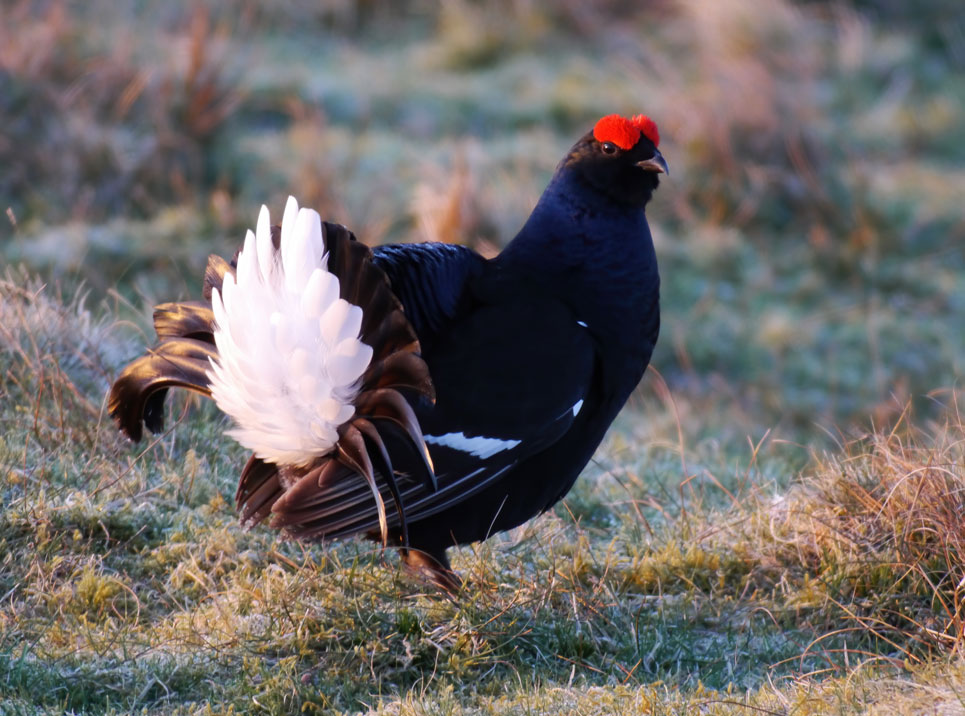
x: 875, y: 534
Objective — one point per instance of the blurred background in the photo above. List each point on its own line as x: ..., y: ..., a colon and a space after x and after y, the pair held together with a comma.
x: 811, y: 234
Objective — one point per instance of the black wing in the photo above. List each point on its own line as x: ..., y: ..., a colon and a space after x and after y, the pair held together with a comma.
x: 432, y: 280
x: 510, y: 383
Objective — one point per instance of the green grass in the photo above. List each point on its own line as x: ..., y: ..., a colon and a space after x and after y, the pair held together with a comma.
x: 773, y: 524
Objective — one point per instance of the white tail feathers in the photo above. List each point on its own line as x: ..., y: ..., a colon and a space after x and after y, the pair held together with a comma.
x: 289, y: 355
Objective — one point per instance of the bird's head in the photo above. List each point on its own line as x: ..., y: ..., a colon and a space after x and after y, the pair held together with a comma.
x: 620, y: 158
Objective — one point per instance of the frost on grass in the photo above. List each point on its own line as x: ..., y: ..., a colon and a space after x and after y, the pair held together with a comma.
x: 43, y: 331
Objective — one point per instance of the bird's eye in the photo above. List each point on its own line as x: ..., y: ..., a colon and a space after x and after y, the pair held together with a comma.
x: 609, y: 148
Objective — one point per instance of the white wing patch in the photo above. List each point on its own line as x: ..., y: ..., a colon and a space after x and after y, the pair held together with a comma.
x: 289, y: 354
x: 577, y: 406
x: 476, y: 446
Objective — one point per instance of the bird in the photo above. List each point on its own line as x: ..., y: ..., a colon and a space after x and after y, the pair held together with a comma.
x: 420, y: 394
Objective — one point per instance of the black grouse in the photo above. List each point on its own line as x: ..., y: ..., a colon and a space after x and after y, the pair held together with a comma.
x: 419, y: 393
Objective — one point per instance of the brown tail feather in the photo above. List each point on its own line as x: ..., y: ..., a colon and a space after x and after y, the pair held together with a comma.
x: 188, y: 319
x: 258, y: 489
x: 353, y: 452
x: 385, y: 404
x: 400, y: 370
x: 384, y: 325
x: 335, y: 515
x: 380, y: 456
x: 181, y: 359
x: 348, y: 517
x: 138, y: 393
x: 214, y: 275
x: 327, y: 482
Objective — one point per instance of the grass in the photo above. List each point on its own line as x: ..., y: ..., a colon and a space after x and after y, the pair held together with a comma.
x: 772, y: 526
x: 129, y: 584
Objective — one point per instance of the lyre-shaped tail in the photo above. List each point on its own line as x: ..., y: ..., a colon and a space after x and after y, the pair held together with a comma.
x: 314, y: 380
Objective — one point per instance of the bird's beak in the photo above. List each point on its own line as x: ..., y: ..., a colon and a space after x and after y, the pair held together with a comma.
x: 656, y: 163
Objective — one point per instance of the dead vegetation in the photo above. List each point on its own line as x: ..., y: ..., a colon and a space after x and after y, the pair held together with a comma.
x: 878, y: 528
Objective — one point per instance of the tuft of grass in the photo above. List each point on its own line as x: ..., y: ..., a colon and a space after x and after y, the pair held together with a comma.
x: 880, y: 524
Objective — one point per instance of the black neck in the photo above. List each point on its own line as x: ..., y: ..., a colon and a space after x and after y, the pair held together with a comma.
x: 596, y: 253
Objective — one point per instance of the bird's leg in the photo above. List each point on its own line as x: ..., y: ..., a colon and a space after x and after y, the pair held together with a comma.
x: 432, y: 568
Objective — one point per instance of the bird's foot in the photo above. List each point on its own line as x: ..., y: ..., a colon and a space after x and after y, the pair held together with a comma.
x: 432, y: 570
